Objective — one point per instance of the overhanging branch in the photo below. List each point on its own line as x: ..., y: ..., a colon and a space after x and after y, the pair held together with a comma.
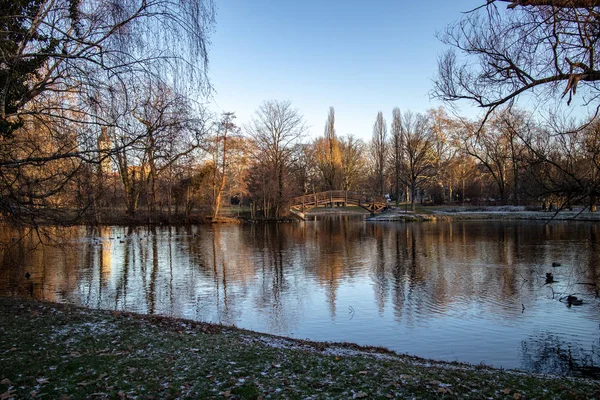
x: 552, y: 3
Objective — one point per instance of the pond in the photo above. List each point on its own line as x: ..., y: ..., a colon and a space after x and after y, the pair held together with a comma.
x: 458, y: 291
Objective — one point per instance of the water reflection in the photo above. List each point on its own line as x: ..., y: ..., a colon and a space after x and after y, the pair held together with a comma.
x: 467, y: 291
x: 550, y: 354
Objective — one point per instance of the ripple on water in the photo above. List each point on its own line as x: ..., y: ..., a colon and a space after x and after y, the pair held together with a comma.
x: 441, y: 290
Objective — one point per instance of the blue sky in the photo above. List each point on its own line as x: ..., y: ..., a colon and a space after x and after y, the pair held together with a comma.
x: 359, y: 57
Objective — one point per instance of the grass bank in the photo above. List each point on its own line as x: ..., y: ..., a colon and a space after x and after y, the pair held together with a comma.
x: 60, y: 351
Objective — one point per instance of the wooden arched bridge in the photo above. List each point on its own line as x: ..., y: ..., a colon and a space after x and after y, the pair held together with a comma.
x: 332, y: 198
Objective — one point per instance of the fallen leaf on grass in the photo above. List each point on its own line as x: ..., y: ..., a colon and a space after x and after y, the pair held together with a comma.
x: 42, y: 381
x: 363, y: 372
x: 506, y: 391
x: 6, y: 381
x: 7, y: 395
x: 226, y: 394
x: 517, y: 396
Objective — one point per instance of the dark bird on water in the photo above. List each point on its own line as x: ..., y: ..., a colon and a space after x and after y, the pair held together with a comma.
x: 27, y: 275
x: 574, y: 301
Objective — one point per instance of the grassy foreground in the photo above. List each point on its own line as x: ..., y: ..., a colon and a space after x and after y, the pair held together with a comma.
x: 59, y: 351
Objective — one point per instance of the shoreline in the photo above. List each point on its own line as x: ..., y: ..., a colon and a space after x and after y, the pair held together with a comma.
x: 60, y: 349
x: 394, y: 214
x: 493, y: 214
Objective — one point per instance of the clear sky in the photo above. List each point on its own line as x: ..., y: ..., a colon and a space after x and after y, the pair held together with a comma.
x: 357, y: 56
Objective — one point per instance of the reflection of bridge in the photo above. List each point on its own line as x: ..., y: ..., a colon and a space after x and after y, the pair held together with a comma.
x: 331, y: 198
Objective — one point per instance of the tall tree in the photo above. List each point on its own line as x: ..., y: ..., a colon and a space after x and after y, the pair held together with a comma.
x: 220, y: 152
x: 328, y: 154
x: 379, y: 150
x: 275, y: 130
x: 498, y: 149
x: 444, y: 132
x: 354, y: 162
x: 418, y: 154
x: 396, y: 153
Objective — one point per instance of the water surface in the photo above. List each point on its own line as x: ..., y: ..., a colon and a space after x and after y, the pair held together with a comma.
x: 457, y: 291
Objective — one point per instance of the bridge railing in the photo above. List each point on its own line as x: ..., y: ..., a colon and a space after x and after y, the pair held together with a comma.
x: 337, y: 195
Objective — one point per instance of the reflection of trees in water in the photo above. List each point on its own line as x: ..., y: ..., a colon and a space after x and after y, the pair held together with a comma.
x: 495, y: 267
x: 549, y: 354
x: 256, y: 263
x: 44, y: 252
x: 592, y: 269
x: 223, y: 271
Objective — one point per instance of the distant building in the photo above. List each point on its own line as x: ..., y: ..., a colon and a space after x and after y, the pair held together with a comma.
x: 104, y: 146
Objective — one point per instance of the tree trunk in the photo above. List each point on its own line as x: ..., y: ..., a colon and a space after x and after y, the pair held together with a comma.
x: 217, y: 200
x: 153, y: 172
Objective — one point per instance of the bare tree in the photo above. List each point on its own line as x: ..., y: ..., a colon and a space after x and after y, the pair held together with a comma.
x: 418, y: 154
x: 73, y: 47
x: 396, y: 153
x: 379, y: 151
x: 354, y: 162
x: 498, y: 55
x: 275, y: 130
x: 553, y: 3
x: 562, y: 163
x: 444, y: 132
x: 62, y: 61
x: 220, y: 163
x: 162, y: 128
